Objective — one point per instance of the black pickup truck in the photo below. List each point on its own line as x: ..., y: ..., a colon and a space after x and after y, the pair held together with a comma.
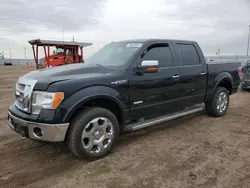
x: 125, y: 86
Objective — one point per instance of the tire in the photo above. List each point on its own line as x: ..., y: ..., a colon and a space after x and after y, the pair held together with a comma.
x: 220, y: 98
x: 92, y: 133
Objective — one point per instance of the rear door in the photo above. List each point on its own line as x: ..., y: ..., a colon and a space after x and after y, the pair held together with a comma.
x: 193, y: 73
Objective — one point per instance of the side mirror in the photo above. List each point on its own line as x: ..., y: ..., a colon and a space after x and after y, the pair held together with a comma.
x: 147, y: 66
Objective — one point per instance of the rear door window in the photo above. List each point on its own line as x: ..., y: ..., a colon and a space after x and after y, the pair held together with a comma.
x: 187, y: 54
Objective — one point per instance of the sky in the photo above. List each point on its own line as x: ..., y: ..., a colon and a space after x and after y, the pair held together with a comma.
x: 214, y: 24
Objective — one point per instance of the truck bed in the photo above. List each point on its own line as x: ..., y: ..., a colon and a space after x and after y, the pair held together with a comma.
x: 217, y: 69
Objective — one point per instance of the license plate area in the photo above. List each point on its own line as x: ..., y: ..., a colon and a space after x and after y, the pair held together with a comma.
x: 18, y: 128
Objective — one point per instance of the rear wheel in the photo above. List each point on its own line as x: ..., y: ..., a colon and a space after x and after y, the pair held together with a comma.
x: 218, y: 105
x: 93, y: 133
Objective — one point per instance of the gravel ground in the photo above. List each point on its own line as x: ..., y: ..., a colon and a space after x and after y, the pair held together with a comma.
x: 195, y: 151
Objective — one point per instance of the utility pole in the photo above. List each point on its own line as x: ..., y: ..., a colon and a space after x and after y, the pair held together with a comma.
x: 63, y: 34
x: 248, y: 41
x: 25, y: 54
x: 3, y: 53
x: 218, y: 53
x: 10, y: 55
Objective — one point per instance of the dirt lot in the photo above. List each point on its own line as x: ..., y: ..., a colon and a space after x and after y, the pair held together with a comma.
x: 195, y: 151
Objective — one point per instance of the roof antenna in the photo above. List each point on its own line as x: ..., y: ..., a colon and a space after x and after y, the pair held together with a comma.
x: 63, y: 35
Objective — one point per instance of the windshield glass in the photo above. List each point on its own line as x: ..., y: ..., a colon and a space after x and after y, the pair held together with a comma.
x: 114, y: 54
x: 59, y: 50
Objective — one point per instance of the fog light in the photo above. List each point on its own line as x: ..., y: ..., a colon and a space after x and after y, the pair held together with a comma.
x: 22, y: 134
x: 37, y: 132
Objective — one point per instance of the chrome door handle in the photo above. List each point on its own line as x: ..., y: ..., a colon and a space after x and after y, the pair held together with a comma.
x: 176, y: 76
x: 203, y: 73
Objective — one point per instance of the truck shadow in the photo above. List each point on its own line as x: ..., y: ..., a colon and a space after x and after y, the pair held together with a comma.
x: 25, y: 161
x: 131, y: 137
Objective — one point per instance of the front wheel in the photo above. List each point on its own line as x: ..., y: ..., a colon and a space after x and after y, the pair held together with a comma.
x: 92, y: 133
x: 218, y: 105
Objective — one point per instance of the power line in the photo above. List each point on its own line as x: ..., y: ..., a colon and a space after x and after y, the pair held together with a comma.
x: 248, y: 41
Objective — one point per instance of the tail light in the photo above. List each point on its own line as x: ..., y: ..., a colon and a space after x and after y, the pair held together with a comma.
x: 240, y: 72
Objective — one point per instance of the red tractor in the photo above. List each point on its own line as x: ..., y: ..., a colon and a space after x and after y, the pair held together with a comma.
x: 66, y: 52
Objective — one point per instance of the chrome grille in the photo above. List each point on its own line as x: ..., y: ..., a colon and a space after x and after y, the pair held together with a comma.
x: 19, y: 99
x: 24, y: 88
x: 20, y: 87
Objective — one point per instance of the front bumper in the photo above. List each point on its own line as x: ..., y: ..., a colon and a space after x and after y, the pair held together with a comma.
x: 38, y: 131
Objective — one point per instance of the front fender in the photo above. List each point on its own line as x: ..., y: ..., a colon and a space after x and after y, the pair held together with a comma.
x: 76, y: 100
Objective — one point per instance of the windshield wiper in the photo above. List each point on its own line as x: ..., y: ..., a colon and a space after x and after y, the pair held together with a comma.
x: 100, y: 65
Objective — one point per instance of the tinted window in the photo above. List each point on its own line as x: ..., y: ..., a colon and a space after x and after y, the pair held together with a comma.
x: 162, y: 54
x: 187, y: 54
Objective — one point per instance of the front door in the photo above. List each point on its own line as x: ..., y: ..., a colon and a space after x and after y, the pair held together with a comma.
x: 151, y: 93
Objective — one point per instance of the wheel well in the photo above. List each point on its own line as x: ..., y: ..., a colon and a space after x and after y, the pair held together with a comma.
x: 108, y: 104
x: 226, y: 84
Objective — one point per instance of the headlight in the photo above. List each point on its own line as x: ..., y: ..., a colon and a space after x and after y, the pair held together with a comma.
x: 45, y: 100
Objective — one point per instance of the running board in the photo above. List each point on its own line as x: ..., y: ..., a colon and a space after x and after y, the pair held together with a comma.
x: 161, y: 119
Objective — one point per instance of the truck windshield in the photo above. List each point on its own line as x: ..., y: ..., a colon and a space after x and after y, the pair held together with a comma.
x: 59, y: 50
x: 114, y: 54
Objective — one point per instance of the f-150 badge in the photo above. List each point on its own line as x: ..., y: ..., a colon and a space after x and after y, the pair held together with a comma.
x: 118, y: 82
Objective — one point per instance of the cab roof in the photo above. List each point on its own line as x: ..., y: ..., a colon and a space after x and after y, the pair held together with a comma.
x: 155, y: 40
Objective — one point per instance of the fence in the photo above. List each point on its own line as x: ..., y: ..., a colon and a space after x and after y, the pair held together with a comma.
x: 240, y: 58
x: 17, y: 61
x: 217, y: 58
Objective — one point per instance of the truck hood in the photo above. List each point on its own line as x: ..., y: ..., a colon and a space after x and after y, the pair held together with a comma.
x: 47, y: 76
